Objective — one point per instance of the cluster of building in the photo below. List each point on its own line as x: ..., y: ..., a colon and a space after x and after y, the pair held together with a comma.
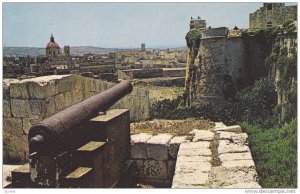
x: 99, y: 66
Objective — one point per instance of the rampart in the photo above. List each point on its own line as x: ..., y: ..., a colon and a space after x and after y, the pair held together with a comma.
x: 29, y: 101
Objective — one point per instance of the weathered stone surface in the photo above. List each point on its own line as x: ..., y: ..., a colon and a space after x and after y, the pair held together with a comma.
x: 178, y: 185
x: 59, y: 102
x: 20, y: 108
x: 226, y: 147
x: 174, y: 145
x: 138, y: 145
x: 219, y: 125
x: 13, y: 125
x: 234, y: 128
x: 194, y: 178
x: 203, y: 135
x: 188, y: 167
x: 68, y: 99
x: 28, y: 123
x: 235, y: 156
x: 171, y: 168
x: 6, y: 87
x: 160, y: 183
x: 194, y: 145
x: 194, y: 149
x: 157, y: 146
x: 249, y: 185
x: 155, y: 169
x: 238, y: 163
x: 194, y: 152
x: 37, y: 109
x: 42, y: 87
x: 193, y: 159
x: 65, y: 84
x: 238, y: 138
x: 18, y: 90
x: 221, y: 176
x: 49, y: 107
x: 6, y: 108
x: 194, y: 131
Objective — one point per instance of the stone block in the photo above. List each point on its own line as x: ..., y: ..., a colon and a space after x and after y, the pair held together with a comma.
x: 42, y: 90
x: 193, y: 159
x: 19, y: 90
x: 171, y: 168
x: 138, y: 145
x: 6, y: 87
x: 238, y: 138
x: 195, y: 145
x: 49, y: 107
x: 156, y: 169
x: 28, y: 123
x: 64, y: 84
x: 178, y: 185
x: 238, y: 164
x: 219, y: 125
x: 194, y: 178
x: 194, y: 152
x: 77, y: 96
x: 234, y: 128
x: 68, y: 99
x: 6, y: 108
x: 235, y: 156
x: 226, y: 147
x: 20, y: 108
x: 174, y: 145
x: 203, y: 135
x: 157, y: 146
x: 13, y: 125
x: 189, y: 167
x: 37, y: 108
x: 248, y: 185
x: 59, y: 102
x: 158, y: 183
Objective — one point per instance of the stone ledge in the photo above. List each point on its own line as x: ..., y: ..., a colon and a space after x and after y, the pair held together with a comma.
x: 226, y: 147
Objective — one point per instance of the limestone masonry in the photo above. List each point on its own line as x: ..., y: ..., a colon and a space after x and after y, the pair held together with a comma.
x: 216, y: 158
x: 29, y: 101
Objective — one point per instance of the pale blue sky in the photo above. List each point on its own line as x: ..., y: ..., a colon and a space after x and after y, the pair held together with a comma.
x: 114, y: 25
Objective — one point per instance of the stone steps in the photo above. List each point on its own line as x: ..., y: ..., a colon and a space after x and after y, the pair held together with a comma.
x: 219, y: 158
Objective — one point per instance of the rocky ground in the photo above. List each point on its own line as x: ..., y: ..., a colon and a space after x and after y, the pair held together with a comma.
x: 175, y: 127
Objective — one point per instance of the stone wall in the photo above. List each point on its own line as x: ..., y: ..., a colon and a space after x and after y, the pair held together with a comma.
x: 277, y: 15
x: 29, y: 101
x: 174, y: 72
x: 155, y: 156
x: 217, y: 58
x: 222, y: 31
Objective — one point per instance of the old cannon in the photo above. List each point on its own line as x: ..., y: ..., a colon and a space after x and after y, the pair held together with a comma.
x: 71, y: 143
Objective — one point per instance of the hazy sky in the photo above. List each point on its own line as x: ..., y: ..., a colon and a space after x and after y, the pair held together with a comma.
x: 114, y: 25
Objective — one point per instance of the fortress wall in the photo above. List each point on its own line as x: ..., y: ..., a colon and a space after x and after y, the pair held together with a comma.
x: 29, y: 101
x: 217, y: 57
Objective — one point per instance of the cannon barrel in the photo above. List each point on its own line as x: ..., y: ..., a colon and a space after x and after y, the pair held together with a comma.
x: 61, y: 131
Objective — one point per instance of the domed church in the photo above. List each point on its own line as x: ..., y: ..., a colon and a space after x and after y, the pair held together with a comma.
x: 52, y: 48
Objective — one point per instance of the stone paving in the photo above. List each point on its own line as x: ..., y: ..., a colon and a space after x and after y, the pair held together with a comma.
x: 219, y: 158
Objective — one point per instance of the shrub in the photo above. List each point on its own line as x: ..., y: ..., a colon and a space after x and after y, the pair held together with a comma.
x: 275, y: 154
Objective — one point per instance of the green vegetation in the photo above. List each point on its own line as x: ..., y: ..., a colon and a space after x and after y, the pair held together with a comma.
x: 275, y: 154
x: 266, y: 106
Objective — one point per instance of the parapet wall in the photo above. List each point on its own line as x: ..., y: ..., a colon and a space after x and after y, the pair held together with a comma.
x: 29, y: 101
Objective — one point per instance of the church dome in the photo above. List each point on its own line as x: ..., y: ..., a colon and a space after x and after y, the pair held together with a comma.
x: 52, y: 43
